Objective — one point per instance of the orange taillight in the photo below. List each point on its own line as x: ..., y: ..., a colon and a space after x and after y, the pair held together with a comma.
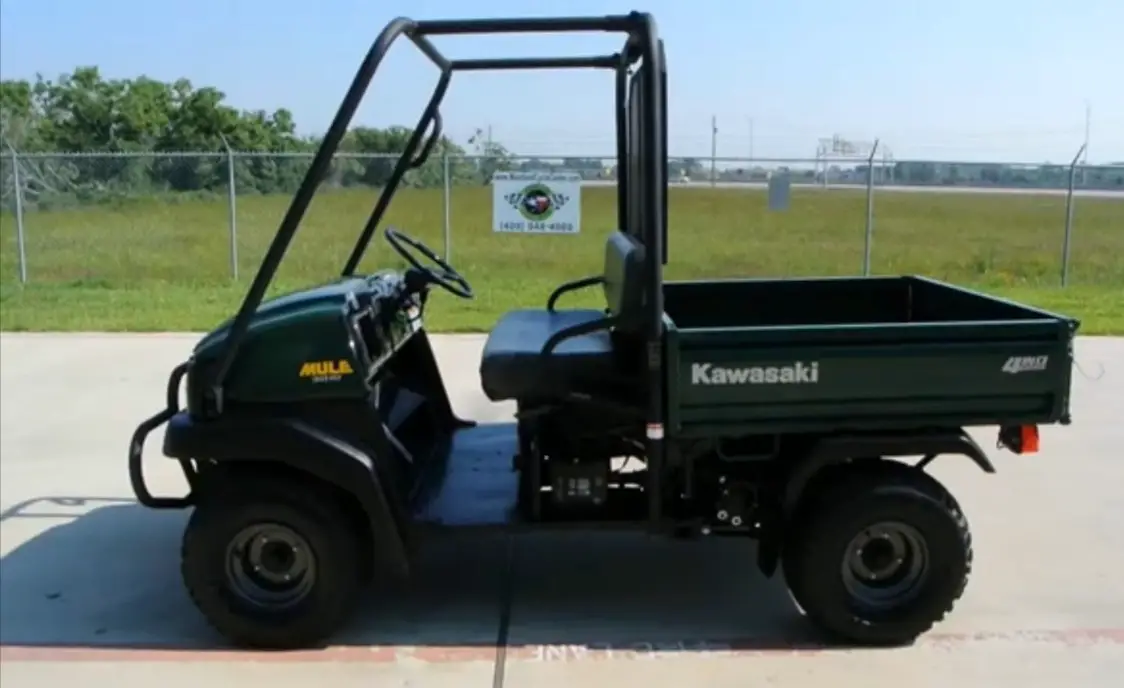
x: 1028, y: 436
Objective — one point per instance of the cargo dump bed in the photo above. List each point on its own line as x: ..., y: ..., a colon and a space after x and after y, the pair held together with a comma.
x: 773, y: 356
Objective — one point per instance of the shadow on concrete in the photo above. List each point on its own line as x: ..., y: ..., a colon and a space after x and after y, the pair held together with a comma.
x: 109, y: 579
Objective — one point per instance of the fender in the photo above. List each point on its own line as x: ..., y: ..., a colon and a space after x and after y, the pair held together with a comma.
x: 838, y: 449
x: 303, y: 447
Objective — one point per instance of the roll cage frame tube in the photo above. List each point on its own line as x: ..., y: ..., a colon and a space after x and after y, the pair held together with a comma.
x: 642, y: 45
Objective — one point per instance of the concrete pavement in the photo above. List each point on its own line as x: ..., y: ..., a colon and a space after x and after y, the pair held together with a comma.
x: 90, y: 591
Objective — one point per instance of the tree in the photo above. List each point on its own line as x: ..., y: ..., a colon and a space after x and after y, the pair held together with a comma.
x: 83, y: 112
x: 378, y: 151
x: 489, y: 156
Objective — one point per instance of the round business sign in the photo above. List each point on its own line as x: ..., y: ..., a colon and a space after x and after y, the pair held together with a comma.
x: 536, y: 202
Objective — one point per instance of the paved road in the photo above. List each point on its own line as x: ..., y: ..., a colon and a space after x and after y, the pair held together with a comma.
x: 91, y: 595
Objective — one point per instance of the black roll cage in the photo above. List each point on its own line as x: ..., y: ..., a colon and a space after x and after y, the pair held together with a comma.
x: 641, y: 202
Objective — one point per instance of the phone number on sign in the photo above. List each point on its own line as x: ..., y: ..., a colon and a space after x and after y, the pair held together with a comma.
x: 559, y: 227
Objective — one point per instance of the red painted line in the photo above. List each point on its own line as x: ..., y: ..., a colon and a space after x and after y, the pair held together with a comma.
x: 1068, y: 638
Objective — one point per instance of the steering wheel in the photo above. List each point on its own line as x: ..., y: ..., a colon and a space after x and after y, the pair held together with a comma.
x: 445, y: 277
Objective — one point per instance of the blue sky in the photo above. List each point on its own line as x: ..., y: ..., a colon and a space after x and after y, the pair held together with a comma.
x: 957, y: 79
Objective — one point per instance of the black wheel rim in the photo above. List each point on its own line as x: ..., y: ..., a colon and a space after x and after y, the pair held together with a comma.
x: 271, y: 566
x: 885, y: 566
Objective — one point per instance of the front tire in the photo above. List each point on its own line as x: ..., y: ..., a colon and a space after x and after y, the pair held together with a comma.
x: 272, y: 566
x: 880, y: 557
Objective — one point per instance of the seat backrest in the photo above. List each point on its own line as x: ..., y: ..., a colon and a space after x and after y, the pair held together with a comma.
x: 624, y: 278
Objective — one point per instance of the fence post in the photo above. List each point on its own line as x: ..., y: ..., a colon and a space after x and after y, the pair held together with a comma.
x: 21, y: 246
x: 1067, y: 241
x: 869, y: 238
x: 231, y: 202
x: 446, y: 198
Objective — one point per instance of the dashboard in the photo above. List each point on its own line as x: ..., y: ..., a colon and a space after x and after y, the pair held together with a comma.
x: 382, y: 317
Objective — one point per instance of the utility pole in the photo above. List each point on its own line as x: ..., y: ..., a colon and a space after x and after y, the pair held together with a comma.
x: 751, y: 138
x: 1085, y: 154
x: 713, y: 150
x: 1088, y: 122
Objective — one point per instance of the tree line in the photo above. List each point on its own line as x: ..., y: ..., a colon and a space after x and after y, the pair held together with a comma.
x: 85, y: 112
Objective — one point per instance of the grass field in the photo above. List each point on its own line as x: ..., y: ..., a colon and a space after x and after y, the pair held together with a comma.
x: 165, y: 265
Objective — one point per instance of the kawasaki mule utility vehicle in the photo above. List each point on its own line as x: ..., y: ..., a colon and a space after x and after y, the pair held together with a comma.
x: 320, y: 447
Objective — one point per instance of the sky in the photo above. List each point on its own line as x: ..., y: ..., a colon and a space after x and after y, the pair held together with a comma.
x: 970, y: 80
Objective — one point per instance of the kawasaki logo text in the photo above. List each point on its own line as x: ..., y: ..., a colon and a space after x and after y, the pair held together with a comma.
x: 799, y: 373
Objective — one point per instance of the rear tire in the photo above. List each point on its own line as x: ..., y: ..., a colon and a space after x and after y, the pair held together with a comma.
x: 879, y: 557
x: 272, y: 566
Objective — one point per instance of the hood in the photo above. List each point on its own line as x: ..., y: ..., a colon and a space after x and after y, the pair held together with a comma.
x: 285, y: 305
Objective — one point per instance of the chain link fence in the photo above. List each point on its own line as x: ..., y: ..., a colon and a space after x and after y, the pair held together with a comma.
x: 208, y: 217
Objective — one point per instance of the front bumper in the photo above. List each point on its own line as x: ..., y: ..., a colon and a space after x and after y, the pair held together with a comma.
x: 136, y: 451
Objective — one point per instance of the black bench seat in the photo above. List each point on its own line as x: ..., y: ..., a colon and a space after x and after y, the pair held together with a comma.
x: 514, y: 366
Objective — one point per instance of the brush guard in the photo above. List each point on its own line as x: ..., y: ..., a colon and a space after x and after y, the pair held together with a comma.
x: 136, y: 452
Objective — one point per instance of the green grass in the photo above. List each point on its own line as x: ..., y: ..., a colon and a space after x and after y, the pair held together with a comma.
x: 160, y: 265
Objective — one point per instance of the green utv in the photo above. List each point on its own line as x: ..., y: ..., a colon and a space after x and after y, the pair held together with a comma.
x: 320, y: 446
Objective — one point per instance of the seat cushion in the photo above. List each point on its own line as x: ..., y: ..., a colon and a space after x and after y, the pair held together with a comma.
x: 513, y: 367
